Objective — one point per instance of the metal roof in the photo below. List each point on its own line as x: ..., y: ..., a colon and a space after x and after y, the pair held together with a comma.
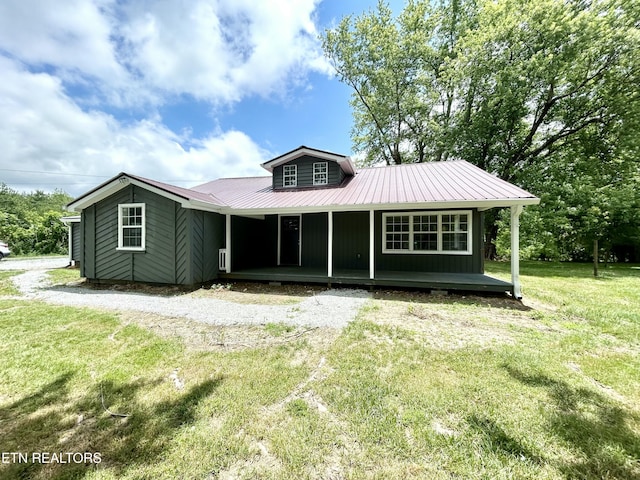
x: 452, y: 183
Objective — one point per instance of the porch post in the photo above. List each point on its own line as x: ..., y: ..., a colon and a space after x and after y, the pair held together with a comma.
x: 372, y: 243
x: 227, y: 242
x: 330, y: 246
x: 516, y: 210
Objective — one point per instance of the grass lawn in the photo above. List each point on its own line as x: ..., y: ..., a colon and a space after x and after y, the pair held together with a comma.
x: 418, y: 386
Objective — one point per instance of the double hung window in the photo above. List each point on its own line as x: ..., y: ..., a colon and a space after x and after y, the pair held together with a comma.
x: 320, y: 175
x: 131, y: 226
x: 290, y: 176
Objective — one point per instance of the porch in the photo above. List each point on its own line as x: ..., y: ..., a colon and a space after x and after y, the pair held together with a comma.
x: 475, y: 282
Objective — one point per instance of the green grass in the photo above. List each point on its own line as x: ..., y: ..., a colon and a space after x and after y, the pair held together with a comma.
x: 6, y: 285
x: 417, y: 387
x: 60, y: 276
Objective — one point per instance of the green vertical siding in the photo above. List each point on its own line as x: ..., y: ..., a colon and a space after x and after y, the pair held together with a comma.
x: 305, y: 172
x: 87, y: 237
x: 430, y: 262
x: 351, y: 240
x: 181, y: 245
x: 76, y: 242
x: 214, y: 239
x: 314, y: 240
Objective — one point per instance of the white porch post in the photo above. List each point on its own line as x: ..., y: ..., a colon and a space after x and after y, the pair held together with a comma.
x: 330, y: 246
x: 372, y: 244
x: 516, y: 210
x: 227, y: 242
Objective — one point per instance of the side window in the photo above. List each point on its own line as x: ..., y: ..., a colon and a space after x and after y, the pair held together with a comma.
x: 320, y: 173
x: 290, y: 176
x: 131, y: 226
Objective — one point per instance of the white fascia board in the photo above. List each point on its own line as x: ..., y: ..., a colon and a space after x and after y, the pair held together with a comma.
x: 70, y: 220
x: 110, y: 188
x: 480, y: 205
x: 200, y: 205
x: 115, y: 186
x: 124, y: 181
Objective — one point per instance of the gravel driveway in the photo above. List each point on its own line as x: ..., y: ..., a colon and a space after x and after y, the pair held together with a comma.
x: 331, y: 308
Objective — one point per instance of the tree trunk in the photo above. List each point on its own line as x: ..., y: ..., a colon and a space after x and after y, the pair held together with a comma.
x: 595, y: 257
x: 490, y: 250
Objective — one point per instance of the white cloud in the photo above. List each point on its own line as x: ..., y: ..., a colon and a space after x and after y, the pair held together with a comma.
x: 72, y: 35
x: 69, y: 69
x: 137, y: 51
x: 42, y: 129
x: 220, y: 51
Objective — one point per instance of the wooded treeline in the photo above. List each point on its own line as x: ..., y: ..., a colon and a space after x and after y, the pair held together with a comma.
x: 544, y: 94
x: 30, y: 222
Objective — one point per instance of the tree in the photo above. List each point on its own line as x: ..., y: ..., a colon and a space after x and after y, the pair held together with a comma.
x: 394, y: 68
x: 511, y: 86
x: 30, y: 223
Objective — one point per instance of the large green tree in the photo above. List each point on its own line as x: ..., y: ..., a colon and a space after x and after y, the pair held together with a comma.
x: 516, y: 87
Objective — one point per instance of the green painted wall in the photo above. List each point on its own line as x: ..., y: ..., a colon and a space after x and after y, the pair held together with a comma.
x: 76, y: 242
x: 314, y: 240
x: 305, y: 172
x: 350, y: 241
x: 181, y: 245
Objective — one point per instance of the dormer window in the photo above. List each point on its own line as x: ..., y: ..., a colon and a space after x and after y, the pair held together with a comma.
x: 290, y: 176
x: 320, y: 176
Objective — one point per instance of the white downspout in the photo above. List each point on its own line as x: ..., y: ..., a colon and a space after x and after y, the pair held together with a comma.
x: 516, y: 210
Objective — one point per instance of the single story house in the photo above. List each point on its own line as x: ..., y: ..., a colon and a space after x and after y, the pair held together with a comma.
x: 316, y: 218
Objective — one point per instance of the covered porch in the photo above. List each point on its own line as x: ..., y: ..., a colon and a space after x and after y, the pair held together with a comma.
x: 348, y: 248
x: 472, y: 282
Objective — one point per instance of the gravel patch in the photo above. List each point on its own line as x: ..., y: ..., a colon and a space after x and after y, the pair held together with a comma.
x: 46, y: 263
x: 331, y: 308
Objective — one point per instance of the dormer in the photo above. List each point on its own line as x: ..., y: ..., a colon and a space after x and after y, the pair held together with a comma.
x: 307, y: 167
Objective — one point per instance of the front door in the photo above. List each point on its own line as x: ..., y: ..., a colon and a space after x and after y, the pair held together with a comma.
x: 290, y: 240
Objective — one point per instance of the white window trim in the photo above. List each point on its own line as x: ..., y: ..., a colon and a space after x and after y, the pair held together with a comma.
x: 294, y: 175
x: 325, y: 173
x: 121, y: 228
x: 439, y: 251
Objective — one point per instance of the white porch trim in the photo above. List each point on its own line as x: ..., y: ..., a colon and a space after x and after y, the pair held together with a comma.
x: 372, y: 243
x: 516, y: 210
x: 330, y: 245
x: 227, y: 241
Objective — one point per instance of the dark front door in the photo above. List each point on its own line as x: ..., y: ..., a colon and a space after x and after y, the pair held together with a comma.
x: 290, y: 240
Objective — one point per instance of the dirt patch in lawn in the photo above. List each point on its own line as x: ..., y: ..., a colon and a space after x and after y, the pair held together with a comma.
x: 207, y: 337
x: 454, y: 321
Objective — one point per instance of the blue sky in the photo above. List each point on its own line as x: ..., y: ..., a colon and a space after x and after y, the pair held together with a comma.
x: 177, y: 91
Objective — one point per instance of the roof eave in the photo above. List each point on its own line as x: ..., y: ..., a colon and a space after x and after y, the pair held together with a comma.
x: 480, y: 205
x: 123, y: 180
x: 344, y: 161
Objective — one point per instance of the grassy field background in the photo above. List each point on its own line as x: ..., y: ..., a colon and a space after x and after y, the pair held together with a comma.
x: 419, y: 386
